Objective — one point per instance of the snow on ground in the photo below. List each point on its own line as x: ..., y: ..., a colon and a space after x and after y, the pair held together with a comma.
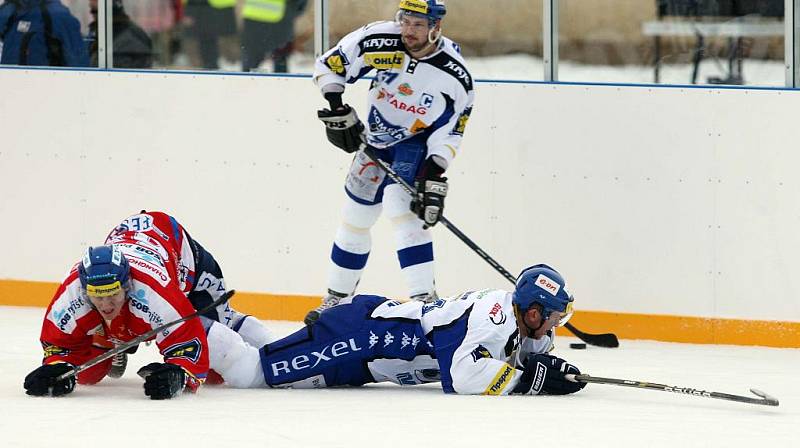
x: 523, y: 67
x: 116, y: 413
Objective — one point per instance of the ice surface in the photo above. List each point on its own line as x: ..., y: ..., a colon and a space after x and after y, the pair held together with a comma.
x: 115, y: 413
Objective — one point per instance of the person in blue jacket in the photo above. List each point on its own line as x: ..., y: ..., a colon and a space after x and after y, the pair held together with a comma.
x: 40, y: 32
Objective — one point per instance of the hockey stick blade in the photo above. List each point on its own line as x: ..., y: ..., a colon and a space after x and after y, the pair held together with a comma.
x: 609, y: 340
x: 764, y: 399
x: 601, y: 340
x: 141, y: 338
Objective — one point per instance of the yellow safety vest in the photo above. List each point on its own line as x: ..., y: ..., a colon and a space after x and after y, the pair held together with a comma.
x: 270, y: 11
x: 219, y: 4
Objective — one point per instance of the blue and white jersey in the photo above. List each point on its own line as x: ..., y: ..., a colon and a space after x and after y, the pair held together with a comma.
x: 470, y: 343
x: 430, y: 98
x: 474, y: 339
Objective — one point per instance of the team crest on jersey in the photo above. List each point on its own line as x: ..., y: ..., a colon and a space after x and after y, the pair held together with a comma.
x: 53, y: 350
x: 480, y: 352
x: 384, y: 61
x: 187, y: 350
x: 337, y: 62
x: 461, y: 124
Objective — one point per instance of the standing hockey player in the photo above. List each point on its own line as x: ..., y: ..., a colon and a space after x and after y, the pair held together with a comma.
x: 489, y: 342
x: 418, y: 107
x: 138, y: 281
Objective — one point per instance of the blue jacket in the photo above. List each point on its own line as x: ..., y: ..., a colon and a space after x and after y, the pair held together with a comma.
x: 41, y: 32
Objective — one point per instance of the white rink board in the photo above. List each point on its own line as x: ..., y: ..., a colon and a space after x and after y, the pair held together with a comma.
x: 116, y: 412
x: 650, y: 200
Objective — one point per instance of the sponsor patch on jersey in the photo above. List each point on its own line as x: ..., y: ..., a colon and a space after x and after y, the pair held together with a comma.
x: 313, y: 358
x: 461, y: 123
x: 548, y: 284
x: 337, y: 62
x: 380, y: 42
x: 138, y: 302
x: 480, y: 352
x: 187, y: 350
x: 65, y: 315
x: 500, y: 381
x: 427, y: 308
x: 156, y: 272
x: 405, y: 89
x: 383, y: 131
x: 384, y: 61
x: 449, y: 65
x: 496, y: 314
x: 418, y: 126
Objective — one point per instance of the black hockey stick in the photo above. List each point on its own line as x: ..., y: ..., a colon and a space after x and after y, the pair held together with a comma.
x: 138, y: 340
x: 764, y: 399
x: 600, y: 340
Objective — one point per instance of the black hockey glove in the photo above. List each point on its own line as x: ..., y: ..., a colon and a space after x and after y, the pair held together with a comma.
x: 162, y: 380
x: 43, y: 380
x: 342, y: 126
x: 428, y: 204
x: 544, y: 374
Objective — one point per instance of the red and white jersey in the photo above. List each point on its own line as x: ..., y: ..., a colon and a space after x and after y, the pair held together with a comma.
x: 72, y: 327
x: 157, y: 238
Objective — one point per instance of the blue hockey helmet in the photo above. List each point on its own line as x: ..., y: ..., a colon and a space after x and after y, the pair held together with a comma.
x: 433, y: 10
x: 543, y: 285
x: 104, y: 271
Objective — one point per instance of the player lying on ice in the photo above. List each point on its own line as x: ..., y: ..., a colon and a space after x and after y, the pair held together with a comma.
x: 149, y: 272
x: 482, y: 342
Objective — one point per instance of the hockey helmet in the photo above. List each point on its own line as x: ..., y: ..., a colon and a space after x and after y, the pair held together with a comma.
x: 543, y: 285
x: 433, y: 10
x: 104, y: 271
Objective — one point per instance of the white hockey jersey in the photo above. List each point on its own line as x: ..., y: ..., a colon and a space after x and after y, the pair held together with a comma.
x: 474, y: 338
x: 429, y: 98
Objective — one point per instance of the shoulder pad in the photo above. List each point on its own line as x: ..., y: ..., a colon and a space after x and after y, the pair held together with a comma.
x: 451, y: 66
x: 379, y: 42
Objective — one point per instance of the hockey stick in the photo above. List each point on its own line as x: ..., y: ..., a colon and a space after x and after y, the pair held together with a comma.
x: 764, y: 399
x: 138, y: 340
x: 600, y: 340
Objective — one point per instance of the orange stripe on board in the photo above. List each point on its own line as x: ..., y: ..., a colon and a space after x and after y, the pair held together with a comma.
x: 696, y: 330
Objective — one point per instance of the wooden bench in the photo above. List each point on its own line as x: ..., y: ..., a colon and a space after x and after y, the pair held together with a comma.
x: 702, y: 19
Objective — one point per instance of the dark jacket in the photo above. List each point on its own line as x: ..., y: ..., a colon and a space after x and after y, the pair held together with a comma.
x: 41, y: 32
x: 133, y: 48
